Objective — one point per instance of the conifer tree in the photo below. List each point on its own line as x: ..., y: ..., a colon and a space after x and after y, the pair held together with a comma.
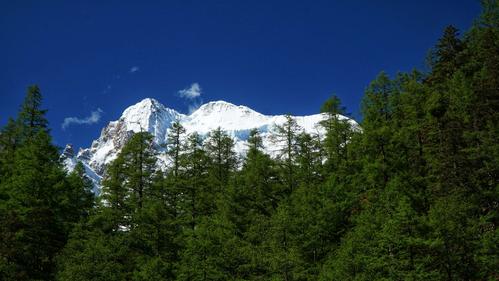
x: 80, y: 196
x: 257, y: 181
x: 285, y: 137
x: 309, y: 170
x: 139, y: 165
x: 31, y: 117
x: 220, y: 150
x: 9, y: 142
x: 338, y: 133
x: 197, y: 199
x: 174, y: 146
x: 39, y: 205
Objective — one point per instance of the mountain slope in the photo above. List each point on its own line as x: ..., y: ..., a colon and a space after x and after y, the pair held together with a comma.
x: 151, y: 116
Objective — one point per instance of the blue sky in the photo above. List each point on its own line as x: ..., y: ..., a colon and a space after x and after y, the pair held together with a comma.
x: 92, y: 59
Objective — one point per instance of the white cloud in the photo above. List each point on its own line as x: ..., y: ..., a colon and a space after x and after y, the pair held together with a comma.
x: 194, y: 106
x: 192, y: 92
x: 133, y: 69
x: 92, y: 119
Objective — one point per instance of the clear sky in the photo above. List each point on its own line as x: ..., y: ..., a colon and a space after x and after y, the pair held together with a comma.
x: 273, y: 56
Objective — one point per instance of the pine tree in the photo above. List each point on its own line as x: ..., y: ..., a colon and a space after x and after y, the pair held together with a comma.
x: 220, y: 150
x: 9, y: 142
x: 174, y: 146
x: 132, y: 224
x: 114, y: 196
x: 445, y: 59
x: 283, y: 256
x: 285, y: 137
x: 197, y: 199
x: 41, y: 203
x: 31, y: 117
x: 256, y: 187
x: 338, y: 133
x: 80, y: 196
x: 308, y: 158
x: 139, y: 166
x: 410, y: 195
x: 376, y: 125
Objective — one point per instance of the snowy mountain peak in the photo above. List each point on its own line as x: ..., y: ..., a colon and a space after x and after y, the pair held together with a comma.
x: 152, y: 116
x: 143, y: 114
x: 145, y: 106
x: 219, y: 105
x: 222, y: 106
x: 223, y: 114
x: 148, y: 115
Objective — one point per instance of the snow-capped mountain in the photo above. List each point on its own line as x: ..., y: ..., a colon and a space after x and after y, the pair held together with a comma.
x: 151, y: 116
x: 148, y: 115
x: 70, y: 160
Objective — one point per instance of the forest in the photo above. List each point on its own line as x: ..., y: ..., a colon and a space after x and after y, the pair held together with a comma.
x: 411, y: 195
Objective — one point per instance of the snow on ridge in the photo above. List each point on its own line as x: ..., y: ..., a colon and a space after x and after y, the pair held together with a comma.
x: 225, y: 115
x: 152, y: 116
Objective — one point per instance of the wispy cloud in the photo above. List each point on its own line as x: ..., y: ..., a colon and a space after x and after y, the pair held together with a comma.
x: 134, y: 69
x: 92, y: 119
x: 194, y: 106
x: 192, y: 92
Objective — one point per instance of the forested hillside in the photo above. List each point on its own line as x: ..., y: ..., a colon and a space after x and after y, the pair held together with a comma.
x: 413, y: 195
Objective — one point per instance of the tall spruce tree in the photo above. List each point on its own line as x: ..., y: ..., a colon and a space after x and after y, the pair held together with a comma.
x: 197, y: 197
x: 40, y: 204
x: 223, y: 160
x: 285, y: 137
x: 338, y: 133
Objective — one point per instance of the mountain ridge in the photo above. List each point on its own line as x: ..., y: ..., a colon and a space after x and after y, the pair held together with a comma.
x: 152, y: 116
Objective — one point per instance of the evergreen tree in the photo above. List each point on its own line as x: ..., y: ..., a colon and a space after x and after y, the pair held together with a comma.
x: 256, y: 188
x: 174, y: 146
x: 132, y: 225
x: 31, y: 117
x: 39, y: 205
x: 9, y: 142
x: 139, y: 166
x: 338, y: 133
x: 212, y: 251
x: 220, y: 150
x: 283, y: 257
x: 445, y: 57
x: 80, y: 198
x: 285, y: 137
x: 251, y: 201
x: 410, y: 195
x: 197, y: 198
x: 309, y: 168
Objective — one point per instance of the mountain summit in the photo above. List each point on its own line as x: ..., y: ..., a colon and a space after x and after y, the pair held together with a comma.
x: 152, y: 116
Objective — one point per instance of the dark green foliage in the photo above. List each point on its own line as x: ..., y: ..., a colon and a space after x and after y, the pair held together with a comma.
x: 39, y: 203
x: 9, y: 142
x: 220, y: 151
x: 410, y: 194
x: 134, y: 229
x: 426, y: 211
x: 80, y: 199
x: 286, y: 140
x: 197, y: 198
x: 175, y: 147
x: 31, y: 117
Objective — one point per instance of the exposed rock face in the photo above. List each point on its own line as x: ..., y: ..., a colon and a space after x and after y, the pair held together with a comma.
x: 151, y: 116
x: 148, y: 115
x: 68, y: 152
